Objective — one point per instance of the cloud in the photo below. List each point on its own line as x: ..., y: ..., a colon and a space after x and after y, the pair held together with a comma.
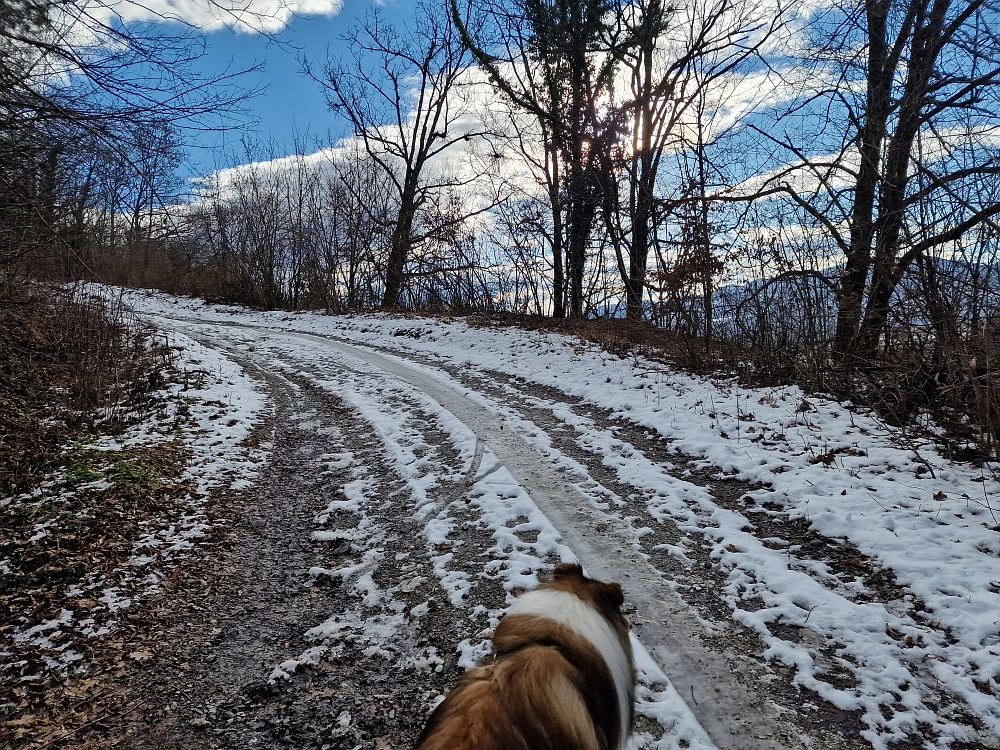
x: 250, y: 16
x: 746, y: 89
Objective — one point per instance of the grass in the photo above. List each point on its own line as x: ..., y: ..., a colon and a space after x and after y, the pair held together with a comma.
x: 131, y: 473
x: 80, y: 473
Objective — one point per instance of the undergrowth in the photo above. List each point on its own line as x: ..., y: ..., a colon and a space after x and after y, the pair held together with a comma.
x: 70, y: 365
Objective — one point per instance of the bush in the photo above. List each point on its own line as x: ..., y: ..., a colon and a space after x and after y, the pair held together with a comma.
x: 70, y: 362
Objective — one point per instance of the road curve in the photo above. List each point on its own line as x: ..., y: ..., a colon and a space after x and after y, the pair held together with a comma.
x: 733, y: 717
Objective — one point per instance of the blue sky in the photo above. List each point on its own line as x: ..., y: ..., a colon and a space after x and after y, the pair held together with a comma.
x: 290, y: 102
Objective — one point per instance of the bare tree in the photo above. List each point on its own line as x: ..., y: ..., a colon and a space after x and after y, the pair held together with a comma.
x: 73, y: 75
x: 906, y: 92
x: 556, y: 62
x: 681, y: 65
x: 359, y: 210
x: 303, y: 231
x: 403, y: 94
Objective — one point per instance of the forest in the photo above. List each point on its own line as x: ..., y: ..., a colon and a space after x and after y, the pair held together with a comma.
x: 784, y: 191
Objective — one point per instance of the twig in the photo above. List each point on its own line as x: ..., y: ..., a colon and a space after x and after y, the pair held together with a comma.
x: 809, y: 615
x: 986, y: 497
x: 189, y: 699
x: 90, y: 723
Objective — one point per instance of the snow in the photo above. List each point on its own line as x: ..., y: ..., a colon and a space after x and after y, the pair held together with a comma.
x: 657, y: 699
x: 221, y: 404
x: 930, y: 522
x: 226, y: 405
x: 380, y: 627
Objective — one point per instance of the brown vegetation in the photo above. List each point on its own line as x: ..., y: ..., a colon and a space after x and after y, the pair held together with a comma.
x: 70, y: 364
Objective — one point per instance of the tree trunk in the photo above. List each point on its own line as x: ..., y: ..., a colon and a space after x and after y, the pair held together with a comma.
x: 875, y: 237
x: 850, y: 294
x: 555, y: 203
x: 642, y: 213
x: 582, y: 214
x: 638, y: 258
x: 399, y: 248
x: 643, y: 164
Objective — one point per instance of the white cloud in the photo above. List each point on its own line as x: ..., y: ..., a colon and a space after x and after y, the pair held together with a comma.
x: 730, y: 98
x: 249, y: 16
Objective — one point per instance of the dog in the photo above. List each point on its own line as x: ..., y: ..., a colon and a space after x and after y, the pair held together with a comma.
x: 561, y: 677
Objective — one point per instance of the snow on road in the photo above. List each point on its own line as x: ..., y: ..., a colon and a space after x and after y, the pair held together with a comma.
x: 891, y: 608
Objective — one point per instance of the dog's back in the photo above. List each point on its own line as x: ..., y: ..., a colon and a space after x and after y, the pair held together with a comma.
x: 526, y: 702
x: 560, y: 678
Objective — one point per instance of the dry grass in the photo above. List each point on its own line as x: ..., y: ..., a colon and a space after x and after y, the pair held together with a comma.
x: 73, y: 368
x: 69, y: 365
x: 76, y: 529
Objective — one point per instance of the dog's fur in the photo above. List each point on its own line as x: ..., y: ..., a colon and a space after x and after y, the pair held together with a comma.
x: 561, y: 676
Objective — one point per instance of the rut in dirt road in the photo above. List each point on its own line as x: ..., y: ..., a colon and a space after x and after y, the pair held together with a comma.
x: 215, y: 685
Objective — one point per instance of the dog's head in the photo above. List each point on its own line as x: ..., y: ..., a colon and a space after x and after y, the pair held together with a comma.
x: 606, y: 598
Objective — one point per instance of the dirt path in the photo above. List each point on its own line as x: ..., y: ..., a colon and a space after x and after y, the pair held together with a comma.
x: 367, y: 560
x: 731, y: 714
x: 237, y: 616
x: 738, y: 699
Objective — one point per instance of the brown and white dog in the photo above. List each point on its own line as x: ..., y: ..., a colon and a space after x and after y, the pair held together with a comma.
x: 561, y: 676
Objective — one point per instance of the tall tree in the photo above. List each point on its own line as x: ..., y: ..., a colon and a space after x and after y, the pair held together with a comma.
x: 556, y: 61
x: 908, y: 94
x: 681, y: 65
x: 402, y: 92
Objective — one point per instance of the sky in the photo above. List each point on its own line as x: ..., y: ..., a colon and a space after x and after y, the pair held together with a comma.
x: 290, y: 105
x: 290, y: 112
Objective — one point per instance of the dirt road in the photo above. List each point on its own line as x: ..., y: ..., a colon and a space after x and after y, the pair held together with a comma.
x: 401, y: 503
